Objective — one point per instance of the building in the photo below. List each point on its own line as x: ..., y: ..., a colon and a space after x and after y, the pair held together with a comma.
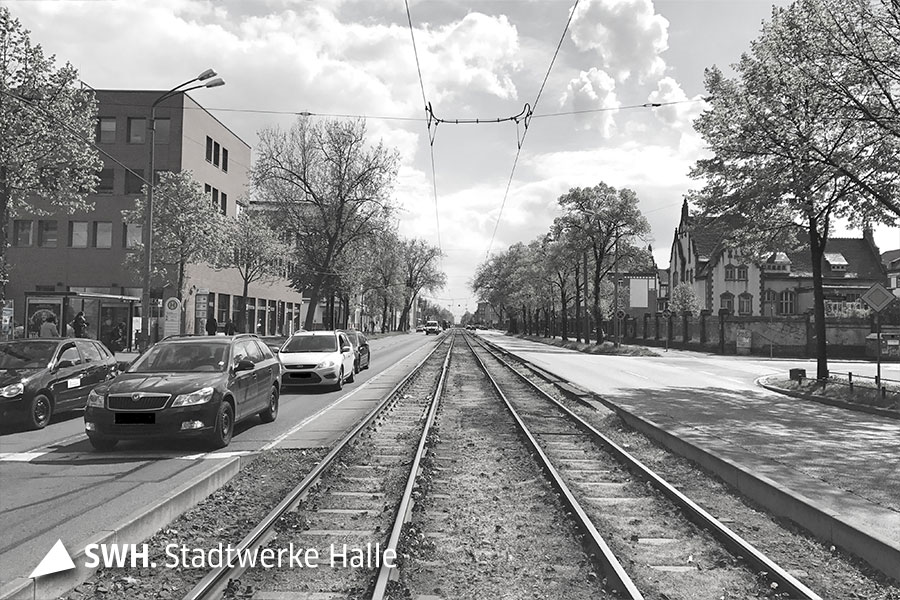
x: 723, y: 278
x: 891, y: 262
x: 85, y: 253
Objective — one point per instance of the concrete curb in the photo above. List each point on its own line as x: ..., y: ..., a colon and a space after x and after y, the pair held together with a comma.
x: 141, y: 525
x: 820, y: 521
x: 872, y: 410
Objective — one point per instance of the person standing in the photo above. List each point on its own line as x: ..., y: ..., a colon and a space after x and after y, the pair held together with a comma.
x: 80, y: 325
x: 48, y: 327
x: 229, y: 327
x: 212, y: 326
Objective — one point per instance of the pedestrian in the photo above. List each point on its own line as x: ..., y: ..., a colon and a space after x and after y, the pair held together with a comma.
x: 48, y: 327
x: 229, y: 327
x: 80, y: 325
x: 119, y: 338
x: 212, y: 326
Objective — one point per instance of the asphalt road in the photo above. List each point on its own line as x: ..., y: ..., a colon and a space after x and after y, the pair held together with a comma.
x: 54, y: 486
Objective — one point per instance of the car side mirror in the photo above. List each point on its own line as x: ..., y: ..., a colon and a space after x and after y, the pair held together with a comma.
x: 64, y: 364
x: 243, y: 365
x: 345, y: 348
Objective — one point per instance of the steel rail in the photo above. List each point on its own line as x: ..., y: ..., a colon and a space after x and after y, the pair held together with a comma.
x: 217, y: 578
x: 404, y: 510
x: 731, y: 540
x: 600, y: 550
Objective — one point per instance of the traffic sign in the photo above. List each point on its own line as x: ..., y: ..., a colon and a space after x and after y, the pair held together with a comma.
x: 877, y: 297
x: 620, y: 314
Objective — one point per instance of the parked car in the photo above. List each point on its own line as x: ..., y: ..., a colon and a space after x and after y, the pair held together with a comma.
x: 187, y: 386
x: 420, y: 328
x: 40, y: 377
x: 361, y: 351
x: 317, y: 358
x: 432, y: 327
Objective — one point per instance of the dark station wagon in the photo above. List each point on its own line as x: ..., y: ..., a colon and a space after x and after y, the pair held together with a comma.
x: 43, y: 376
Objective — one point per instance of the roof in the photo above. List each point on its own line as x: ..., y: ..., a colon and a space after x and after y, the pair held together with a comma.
x: 835, y: 258
x: 709, y: 233
x: 891, y: 259
x: 861, y: 260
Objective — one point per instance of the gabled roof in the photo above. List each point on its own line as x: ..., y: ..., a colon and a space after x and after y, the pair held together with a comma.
x: 860, y: 257
x: 891, y: 259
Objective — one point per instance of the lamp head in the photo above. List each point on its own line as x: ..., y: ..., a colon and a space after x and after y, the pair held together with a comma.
x: 206, y: 75
x: 215, y: 82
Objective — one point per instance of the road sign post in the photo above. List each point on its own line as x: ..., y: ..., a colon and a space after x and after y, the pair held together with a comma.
x: 668, y: 316
x: 878, y: 298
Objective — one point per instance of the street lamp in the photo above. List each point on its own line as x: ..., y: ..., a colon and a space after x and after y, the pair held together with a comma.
x: 147, y: 233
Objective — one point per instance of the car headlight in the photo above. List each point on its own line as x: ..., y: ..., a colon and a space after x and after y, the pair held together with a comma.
x: 201, y: 396
x: 96, y: 400
x: 13, y: 390
x: 326, y: 364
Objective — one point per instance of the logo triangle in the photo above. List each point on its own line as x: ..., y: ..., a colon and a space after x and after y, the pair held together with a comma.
x: 55, y: 561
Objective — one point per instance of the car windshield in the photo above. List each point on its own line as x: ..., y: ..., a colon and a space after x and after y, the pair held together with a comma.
x: 182, y: 357
x: 311, y: 343
x: 26, y: 355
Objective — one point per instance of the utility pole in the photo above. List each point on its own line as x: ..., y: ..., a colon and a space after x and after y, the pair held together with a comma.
x: 616, y: 287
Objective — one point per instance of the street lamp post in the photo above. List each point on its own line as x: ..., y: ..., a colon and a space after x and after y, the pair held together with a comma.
x: 147, y: 233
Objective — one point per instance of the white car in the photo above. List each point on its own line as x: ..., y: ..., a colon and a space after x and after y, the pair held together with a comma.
x: 432, y: 327
x: 317, y: 358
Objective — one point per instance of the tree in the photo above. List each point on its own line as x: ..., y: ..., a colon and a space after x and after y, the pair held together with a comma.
x: 787, y: 162
x: 330, y: 187
x: 46, y: 118
x: 684, y: 300
x: 419, y: 270
x: 187, y: 229
x: 254, y: 250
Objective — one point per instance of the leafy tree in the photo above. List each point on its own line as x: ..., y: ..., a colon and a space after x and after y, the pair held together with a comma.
x: 786, y: 160
x: 419, y: 272
x: 45, y: 119
x: 684, y: 300
x: 330, y: 187
x: 187, y: 229
x: 253, y: 249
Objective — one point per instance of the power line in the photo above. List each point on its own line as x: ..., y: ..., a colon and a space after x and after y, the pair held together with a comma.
x: 527, y: 121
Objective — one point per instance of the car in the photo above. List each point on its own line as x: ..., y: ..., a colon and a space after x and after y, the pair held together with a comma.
x: 432, y: 327
x: 43, y: 376
x: 360, y: 348
x: 420, y: 328
x: 317, y: 358
x: 187, y: 387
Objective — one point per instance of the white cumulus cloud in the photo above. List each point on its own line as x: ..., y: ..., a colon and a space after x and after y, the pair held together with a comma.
x: 593, y: 90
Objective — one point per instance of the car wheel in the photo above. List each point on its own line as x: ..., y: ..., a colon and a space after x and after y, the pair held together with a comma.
x: 40, y: 411
x: 352, y: 377
x: 340, y: 380
x: 368, y: 360
x: 356, y: 366
x: 102, y: 444
x: 221, y: 434
x: 271, y: 413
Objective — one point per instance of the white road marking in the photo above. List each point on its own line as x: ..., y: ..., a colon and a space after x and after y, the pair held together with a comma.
x: 635, y: 375
x: 20, y: 456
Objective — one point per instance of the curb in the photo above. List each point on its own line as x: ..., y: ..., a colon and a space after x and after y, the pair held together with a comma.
x: 806, y: 512
x: 872, y: 410
x: 141, y: 525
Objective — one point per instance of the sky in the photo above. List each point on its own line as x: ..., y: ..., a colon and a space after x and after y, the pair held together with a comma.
x: 457, y: 186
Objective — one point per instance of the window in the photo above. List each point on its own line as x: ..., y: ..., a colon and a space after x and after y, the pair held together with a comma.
x: 729, y: 271
x: 742, y: 273
x: 69, y: 352
x: 726, y: 301
x: 223, y: 305
x: 78, y: 234
x: 215, y: 198
x: 224, y: 203
x: 745, y: 305
x: 216, y: 153
x: 137, y: 130
x: 89, y: 350
x: 134, y: 183
x: 207, y: 188
x: 107, y: 180
x: 786, y: 303
x: 21, y: 232
x: 225, y: 159
x: 47, y: 234
x: 102, y: 234
x: 133, y: 236
x: 209, y: 149
x: 161, y: 131
x: 106, y: 130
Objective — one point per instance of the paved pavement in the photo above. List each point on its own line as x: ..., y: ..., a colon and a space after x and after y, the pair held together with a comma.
x: 845, y: 463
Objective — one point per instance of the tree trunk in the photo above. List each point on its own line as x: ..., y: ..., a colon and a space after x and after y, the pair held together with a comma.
x: 314, y: 294
x: 577, y: 304
x: 587, y: 318
x: 242, y: 326
x: 817, y: 251
x: 384, y: 315
x: 5, y: 196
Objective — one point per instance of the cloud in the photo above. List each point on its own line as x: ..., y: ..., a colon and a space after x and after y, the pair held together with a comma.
x: 678, y: 116
x: 593, y: 90
x: 628, y: 35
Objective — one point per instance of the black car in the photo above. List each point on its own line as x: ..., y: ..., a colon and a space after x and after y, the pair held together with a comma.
x: 361, y: 353
x: 43, y: 376
x: 187, y: 386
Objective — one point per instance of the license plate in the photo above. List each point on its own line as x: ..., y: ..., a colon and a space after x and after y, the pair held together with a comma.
x: 137, y: 418
x: 301, y: 375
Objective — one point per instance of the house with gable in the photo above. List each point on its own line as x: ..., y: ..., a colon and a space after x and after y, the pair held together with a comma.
x: 723, y: 278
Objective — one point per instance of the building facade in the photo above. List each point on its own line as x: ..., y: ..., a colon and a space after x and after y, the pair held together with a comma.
x: 86, y: 252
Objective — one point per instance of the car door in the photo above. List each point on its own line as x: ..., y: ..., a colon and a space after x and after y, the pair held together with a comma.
x: 243, y: 386
x: 269, y: 372
x: 348, y: 357
x: 364, y: 354
x: 93, y: 365
x: 67, y: 380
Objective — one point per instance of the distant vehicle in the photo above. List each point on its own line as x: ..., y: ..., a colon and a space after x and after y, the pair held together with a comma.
x: 420, y: 328
x: 432, y: 327
x: 471, y: 327
x: 41, y: 377
x: 360, y: 349
x: 317, y: 358
x: 187, y: 386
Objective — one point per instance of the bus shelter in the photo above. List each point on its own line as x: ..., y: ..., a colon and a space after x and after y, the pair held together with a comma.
x: 108, y: 316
